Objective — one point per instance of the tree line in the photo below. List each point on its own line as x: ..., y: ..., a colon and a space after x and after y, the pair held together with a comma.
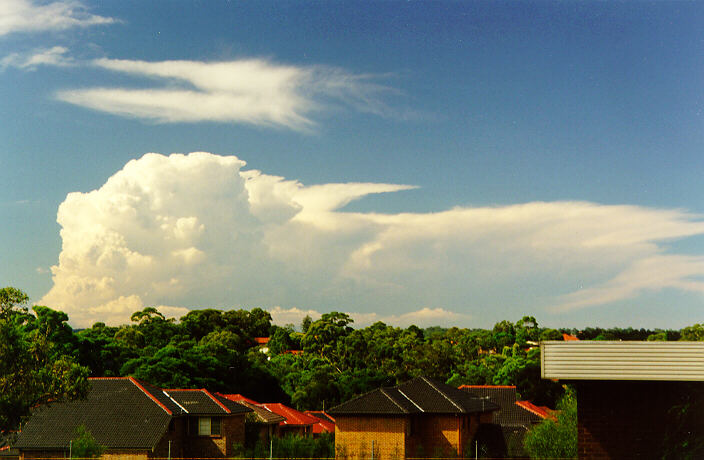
x: 42, y: 358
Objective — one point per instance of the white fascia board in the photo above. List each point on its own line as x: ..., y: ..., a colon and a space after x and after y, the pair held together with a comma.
x: 611, y: 360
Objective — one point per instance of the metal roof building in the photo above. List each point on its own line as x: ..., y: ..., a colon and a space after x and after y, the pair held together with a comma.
x: 608, y: 360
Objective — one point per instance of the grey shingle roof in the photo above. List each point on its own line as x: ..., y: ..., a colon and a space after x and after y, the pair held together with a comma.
x: 509, y: 414
x: 420, y: 395
x: 119, y: 413
x: 202, y: 402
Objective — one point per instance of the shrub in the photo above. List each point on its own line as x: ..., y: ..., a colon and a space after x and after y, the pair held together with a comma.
x: 291, y: 446
x: 85, y: 445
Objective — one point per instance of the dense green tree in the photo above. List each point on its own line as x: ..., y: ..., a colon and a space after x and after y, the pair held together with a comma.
x: 305, y: 323
x: 693, y: 333
x: 323, y: 334
x: 33, y: 369
x: 555, y: 439
x: 283, y: 339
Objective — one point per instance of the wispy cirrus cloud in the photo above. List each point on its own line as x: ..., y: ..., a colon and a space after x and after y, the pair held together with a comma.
x: 649, y: 274
x: 199, y: 230
x: 33, y: 16
x: 55, y: 56
x: 251, y: 91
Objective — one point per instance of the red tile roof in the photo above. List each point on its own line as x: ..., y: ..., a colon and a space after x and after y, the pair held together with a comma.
x: 540, y: 411
x: 261, y: 340
x: 238, y: 397
x: 293, y: 417
x: 568, y: 338
x: 323, y: 425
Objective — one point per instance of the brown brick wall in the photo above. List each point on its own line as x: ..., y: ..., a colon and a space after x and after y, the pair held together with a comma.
x: 124, y: 455
x: 178, y: 437
x: 438, y: 435
x: 110, y: 455
x: 403, y: 437
x: 354, y: 436
x: 217, y: 446
x: 27, y: 455
x: 618, y: 420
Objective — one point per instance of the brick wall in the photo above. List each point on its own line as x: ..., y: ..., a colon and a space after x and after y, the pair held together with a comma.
x: 619, y: 420
x: 112, y: 454
x: 440, y: 435
x: 177, y: 434
x: 27, y: 455
x: 401, y: 437
x: 232, y: 429
x: 124, y: 455
x: 354, y: 436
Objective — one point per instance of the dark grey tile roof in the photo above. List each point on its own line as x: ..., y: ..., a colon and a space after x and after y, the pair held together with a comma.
x: 118, y: 412
x: 420, y: 395
x: 509, y: 414
x: 202, y: 402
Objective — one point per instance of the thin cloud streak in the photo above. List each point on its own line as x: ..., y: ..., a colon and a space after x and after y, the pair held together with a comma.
x: 250, y: 91
x: 650, y: 274
x: 55, y: 56
x: 28, y: 16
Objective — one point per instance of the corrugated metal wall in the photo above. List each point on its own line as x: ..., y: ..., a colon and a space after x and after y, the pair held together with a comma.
x: 597, y: 360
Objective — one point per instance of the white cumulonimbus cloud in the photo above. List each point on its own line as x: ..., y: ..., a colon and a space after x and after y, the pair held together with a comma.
x: 199, y: 231
x: 32, y: 16
x: 251, y: 91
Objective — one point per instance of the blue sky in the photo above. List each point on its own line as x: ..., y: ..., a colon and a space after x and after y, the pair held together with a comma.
x: 452, y: 163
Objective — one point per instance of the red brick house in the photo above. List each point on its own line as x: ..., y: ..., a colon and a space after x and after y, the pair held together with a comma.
x: 629, y: 394
x: 419, y: 418
x: 136, y: 421
x: 325, y: 423
x: 287, y: 419
x: 261, y: 423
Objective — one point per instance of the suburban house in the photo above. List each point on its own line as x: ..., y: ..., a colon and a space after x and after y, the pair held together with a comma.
x: 324, y: 424
x: 296, y: 422
x: 135, y: 421
x: 418, y: 418
x: 503, y: 436
x: 281, y: 419
x: 629, y: 394
x: 261, y: 422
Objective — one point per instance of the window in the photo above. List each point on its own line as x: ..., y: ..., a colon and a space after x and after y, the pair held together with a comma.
x: 204, y: 426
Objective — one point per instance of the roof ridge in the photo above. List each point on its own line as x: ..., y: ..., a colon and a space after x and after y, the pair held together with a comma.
x: 216, y: 401
x: 412, y: 401
x: 426, y: 380
x: 395, y: 403
x: 151, y: 396
x: 176, y: 402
